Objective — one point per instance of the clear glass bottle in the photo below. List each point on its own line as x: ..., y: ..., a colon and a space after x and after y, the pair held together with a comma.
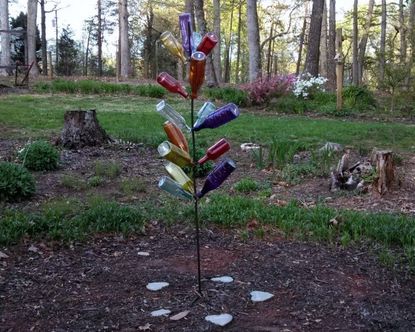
x: 170, y: 114
x: 172, y: 187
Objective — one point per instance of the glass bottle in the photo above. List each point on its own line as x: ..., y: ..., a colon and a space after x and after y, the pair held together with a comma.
x: 170, y: 114
x: 218, y: 118
x: 173, y: 45
x: 219, y: 174
x: 186, y: 31
x: 172, y: 187
x: 196, y: 39
x: 174, y: 154
x: 171, y: 84
x: 203, y: 113
x: 215, y: 151
x: 208, y: 43
x: 197, y: 72
x: 180, y: 177
x: 175, y: 135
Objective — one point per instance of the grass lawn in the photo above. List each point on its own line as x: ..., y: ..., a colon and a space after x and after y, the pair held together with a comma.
x: 135, y: 119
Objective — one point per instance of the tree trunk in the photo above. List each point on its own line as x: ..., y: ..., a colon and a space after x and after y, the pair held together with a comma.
x: 402, y: 33
x: 323, y: 43
x: 270, y: 49
x: 189, y: 5
x: 211, y: 78
x: 331, y: 47
x: 99, y: 36
x: 313, y: 54
x: 411, y: 29
x: 87, y: 51
x: 123, y: 42
x: 238, y: 45
x: 385, y: 171
x: 31, y: 36
x: 81, y: 128
x: 227, y: 73
x: 301, y: 42
x: 44, y: 40
x: 355, y: 66
x: 382, y: 55
x: 253, y: 41
x: 363, y: 41
x: 216, y: 51
x: 5, y: 38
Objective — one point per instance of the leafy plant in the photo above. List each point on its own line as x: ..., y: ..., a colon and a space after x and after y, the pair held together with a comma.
x: 307, y: 86
x: 358, y: 97
x: 72, y: 182
x: 262, y: 90
x: 95, y: 181
x: 16, y: 182
x: 201, y: 170
x: 39, y: 156
x: 228, y: 95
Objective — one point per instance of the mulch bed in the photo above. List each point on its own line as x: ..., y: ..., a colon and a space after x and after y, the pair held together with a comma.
x: 101, y: 285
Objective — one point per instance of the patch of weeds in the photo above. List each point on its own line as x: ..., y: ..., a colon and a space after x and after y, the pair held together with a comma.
x: 133, y: 185
x: 295, y: 173
x: 258, y: 157
x: 72, y: 182
x: 397, y: 159
x: 244, y: 234
x: 246, y: 185
x: 345, y: 239
x: 259, y: 232
x: 387, y: 258
x: 228, y: 95
x: 280, y: 153
x: 95, y: 181
x: 108, y: 169
x: 288, y: 104
x: 265, y: 193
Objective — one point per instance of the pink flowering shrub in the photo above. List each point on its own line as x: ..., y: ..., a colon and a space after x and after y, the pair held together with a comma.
x: 263, y: 90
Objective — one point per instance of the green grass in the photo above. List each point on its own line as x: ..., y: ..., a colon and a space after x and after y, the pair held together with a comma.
x: 134, y: 119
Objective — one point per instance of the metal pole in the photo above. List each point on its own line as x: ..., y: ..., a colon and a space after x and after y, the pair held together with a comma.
x: 196, y: 214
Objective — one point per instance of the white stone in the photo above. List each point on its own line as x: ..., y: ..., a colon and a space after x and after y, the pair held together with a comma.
x: 258, y: 296
x: 160, y: 312
x: 221, y: 320
x: 224, y: 279
x: 155, y: 286
x: 143, y: 253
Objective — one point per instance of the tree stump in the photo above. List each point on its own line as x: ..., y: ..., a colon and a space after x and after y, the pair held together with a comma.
x: 81, y: 128
x: 385, y: 171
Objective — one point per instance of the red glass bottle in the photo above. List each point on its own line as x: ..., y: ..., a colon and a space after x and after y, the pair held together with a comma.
x: 215, y: 151
x: 197, y: 72
x: 171, y: 84
x: 208, y: 43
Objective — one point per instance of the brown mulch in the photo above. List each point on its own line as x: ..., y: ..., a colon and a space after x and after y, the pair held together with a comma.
x: 100, y: 285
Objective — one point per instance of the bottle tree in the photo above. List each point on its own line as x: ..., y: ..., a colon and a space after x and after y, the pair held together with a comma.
x: 175, y: 150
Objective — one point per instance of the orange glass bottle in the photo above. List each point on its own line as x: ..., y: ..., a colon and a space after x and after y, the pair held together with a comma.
x: 175, y: 135
x: 197, y: 72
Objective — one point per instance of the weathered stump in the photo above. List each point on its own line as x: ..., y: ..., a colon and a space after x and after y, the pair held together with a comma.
x: 81, y: 128
x: 385, y: 171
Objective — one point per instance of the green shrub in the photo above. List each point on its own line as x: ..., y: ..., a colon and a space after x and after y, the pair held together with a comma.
x: 201, y: 170
x: 246, y: 185
x: 228, y: 95
x: 39, y: 156
x: 359, y: 97
x: 15, y: 182
x: 95, y: 181
x: 289, y: 104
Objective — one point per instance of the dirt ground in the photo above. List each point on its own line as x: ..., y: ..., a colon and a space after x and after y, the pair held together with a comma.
x: 100, y: 285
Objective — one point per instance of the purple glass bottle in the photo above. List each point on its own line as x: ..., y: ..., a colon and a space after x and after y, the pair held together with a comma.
x: 185, y: 23
x: 218, y: 118
x: 219, y: 174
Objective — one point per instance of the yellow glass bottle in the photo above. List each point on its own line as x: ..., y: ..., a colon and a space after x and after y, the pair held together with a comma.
x: 180, y: 177
x: 173, y: 45
x: 175, y: 135
x: 174, y: 154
